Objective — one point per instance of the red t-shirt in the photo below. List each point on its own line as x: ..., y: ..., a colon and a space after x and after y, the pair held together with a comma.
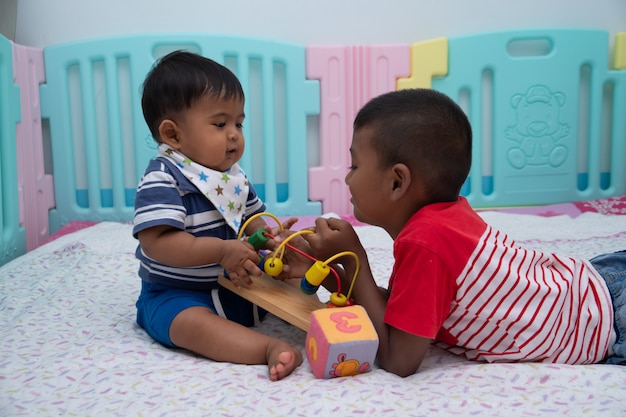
x: 463, y: 283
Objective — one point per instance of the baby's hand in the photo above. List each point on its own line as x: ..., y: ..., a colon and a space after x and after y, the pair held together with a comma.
x: 295, y: 261
x: 295, y: 264
x: 279, y: 232
x: 288, y: 223
x: 240, y: 260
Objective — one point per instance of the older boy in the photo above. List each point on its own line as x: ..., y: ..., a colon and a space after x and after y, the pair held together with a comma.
x: 456, y: 280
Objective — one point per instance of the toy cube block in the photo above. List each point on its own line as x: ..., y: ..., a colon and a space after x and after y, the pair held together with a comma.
x: 341, y: 341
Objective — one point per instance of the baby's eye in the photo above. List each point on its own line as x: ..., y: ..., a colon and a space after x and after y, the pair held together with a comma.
x: 239, y: 125
x: 220, y: 124
x: 352, y: 167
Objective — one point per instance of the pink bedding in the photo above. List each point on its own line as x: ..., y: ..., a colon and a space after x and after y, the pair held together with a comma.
x: 614, y: 205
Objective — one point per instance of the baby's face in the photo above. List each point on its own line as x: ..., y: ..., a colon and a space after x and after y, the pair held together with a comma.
x: 210, y: 132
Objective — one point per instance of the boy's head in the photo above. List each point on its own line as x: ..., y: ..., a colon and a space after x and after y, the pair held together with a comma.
x: 179, y: 79
x: 424, y: 130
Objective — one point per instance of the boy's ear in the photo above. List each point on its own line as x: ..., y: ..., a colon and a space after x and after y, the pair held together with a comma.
x: 400, y: 181
x: 168, y: 131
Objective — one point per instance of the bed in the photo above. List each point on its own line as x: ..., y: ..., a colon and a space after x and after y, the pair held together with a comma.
x: 76, y: 144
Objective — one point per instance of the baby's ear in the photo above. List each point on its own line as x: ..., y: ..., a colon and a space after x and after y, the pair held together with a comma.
x: 168, y: 132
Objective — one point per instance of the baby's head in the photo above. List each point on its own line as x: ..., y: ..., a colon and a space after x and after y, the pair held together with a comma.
x: 424, y: 130
x: 178, y: 80
x: 195, y: 106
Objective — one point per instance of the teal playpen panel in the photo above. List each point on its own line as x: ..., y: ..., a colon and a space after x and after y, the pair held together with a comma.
x: 12, y: 233
x: 545, y: 111
x: 92, y: 99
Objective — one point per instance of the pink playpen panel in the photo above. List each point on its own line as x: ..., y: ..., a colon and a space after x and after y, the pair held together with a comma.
x: 349, y: 77
x: 36, y: 193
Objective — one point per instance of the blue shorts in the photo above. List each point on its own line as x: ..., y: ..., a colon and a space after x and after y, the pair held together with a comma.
x: 612, y: 267
x: 157, y: 306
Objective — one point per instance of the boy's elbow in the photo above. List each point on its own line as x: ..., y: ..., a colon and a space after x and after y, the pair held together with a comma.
x: 403, y: 353
x: 403, y: 373
x: 401, y: 369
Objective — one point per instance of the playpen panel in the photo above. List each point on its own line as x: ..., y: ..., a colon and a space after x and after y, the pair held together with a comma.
x: 428, y: 59
x: 349, y: 77
x: 546, y: 112
x: 92, y: 98
x: 12, y: 233
x: 619, y: 52
x: 36, y: 189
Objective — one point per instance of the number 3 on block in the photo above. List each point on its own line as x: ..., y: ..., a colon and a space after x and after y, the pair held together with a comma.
x: 346, y: 321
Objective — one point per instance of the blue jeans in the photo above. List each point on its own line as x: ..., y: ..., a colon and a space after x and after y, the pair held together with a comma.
x: 612, y: 267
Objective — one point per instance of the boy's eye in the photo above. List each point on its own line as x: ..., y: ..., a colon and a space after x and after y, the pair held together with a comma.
x: 239, y: 125
x: 352, y: 167
x: 220, y: 124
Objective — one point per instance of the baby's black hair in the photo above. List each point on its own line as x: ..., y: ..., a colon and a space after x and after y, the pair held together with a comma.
x: 425, y: 130
x: 180, y: 78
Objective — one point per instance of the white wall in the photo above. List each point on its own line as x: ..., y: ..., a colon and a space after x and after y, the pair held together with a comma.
x: 8, y: 14
x: 48, y: 22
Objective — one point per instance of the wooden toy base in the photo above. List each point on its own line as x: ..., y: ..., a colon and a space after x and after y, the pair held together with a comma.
x: 284, y: 299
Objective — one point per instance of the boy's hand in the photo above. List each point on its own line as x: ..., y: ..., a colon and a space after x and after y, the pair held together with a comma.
x: 333, y: 236
x: 240, y: 260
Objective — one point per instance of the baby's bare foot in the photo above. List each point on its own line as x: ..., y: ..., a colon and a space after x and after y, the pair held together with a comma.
x: 282, y: 359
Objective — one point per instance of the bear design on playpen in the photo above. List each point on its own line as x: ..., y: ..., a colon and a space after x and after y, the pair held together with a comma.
x: 538, y: 134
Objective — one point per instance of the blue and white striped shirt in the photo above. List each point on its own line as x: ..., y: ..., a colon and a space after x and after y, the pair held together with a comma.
x: 166, y: 197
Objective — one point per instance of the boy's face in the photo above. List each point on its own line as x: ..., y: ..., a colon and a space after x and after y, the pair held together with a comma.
x: 210, y: 132
x: 366, y: 181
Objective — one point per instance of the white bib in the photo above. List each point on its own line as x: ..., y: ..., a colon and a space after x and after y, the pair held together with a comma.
x: 228, y: 190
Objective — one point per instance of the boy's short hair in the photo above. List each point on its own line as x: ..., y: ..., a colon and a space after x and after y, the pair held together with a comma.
x: 425, y: 130
x: 180, y: 78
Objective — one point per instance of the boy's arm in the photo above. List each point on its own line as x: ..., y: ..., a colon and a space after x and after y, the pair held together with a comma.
x: 399, y: 352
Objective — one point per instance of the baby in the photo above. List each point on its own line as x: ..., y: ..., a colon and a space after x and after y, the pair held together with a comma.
x: 189, y: 207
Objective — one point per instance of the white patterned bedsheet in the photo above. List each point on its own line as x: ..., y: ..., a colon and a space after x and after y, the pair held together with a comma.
x: 69, y: 346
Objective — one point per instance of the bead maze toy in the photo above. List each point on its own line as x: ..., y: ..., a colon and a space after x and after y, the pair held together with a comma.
x: 341, y: 339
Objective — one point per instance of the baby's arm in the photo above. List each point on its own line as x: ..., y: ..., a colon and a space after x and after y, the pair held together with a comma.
x: 178, y: 248
x: 399, y: 352
x: 254, y: 225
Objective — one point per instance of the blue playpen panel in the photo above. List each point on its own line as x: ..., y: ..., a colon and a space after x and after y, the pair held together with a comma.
x: 544, y: 110
x: 12, y: 234
x: 92, y: 99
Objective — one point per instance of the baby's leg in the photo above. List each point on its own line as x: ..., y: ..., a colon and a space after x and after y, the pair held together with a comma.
x: 201, y: 331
